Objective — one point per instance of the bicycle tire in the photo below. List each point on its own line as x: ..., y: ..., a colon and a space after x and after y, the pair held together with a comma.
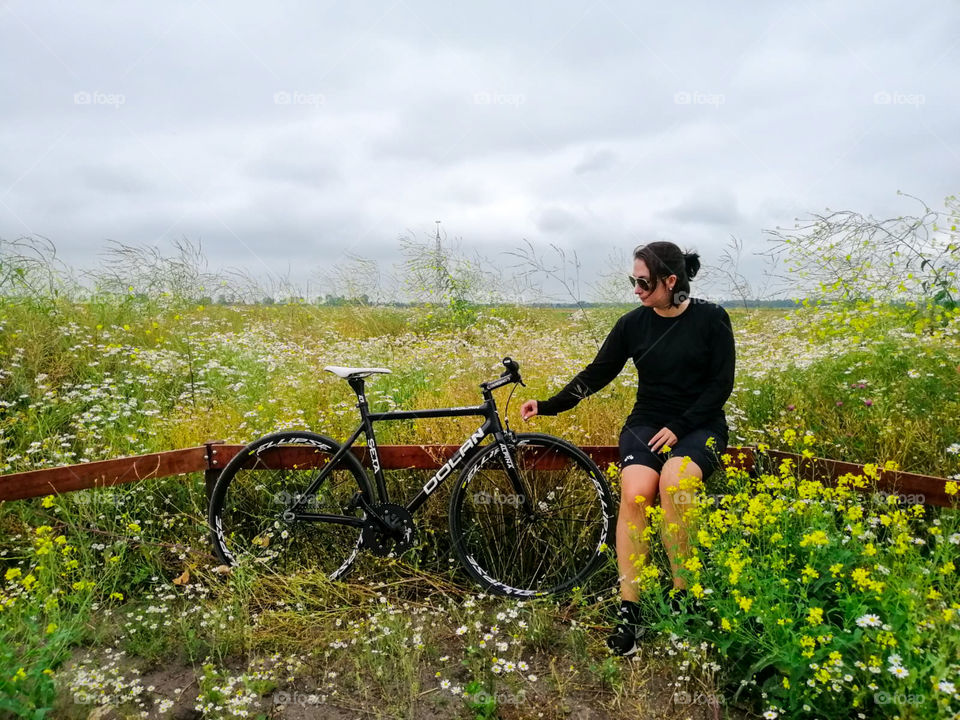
x: 246, y: 506
x: 508, y: 551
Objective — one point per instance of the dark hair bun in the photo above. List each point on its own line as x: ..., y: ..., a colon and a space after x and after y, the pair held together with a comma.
x: 692, y: 263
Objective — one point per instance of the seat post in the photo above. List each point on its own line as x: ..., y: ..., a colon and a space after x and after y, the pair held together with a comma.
x: 356, y: 383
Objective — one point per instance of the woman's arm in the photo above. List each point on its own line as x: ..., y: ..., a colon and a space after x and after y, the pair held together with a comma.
x: 722, y: 365
x: 608, y: 363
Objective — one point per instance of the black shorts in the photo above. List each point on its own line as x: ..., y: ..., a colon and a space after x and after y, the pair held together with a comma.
x: 635, y: 450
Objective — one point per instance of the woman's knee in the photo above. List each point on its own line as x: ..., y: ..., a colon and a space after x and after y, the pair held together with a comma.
x: 676, y: 469
x: 638, y: 485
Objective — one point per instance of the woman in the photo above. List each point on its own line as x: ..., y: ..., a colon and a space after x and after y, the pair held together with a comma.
x: 684, y: 353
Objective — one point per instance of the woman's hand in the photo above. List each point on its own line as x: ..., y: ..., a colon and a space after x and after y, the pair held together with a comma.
x: 528, y: 409
x: 664, y: 437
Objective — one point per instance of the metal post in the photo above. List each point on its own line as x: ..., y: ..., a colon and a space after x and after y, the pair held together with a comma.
x: 214, y: 468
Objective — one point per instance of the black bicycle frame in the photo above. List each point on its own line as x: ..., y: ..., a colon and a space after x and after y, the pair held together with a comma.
x: 491, y: 426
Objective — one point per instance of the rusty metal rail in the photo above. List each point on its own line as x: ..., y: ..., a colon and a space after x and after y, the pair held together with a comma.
x: 211, y: 457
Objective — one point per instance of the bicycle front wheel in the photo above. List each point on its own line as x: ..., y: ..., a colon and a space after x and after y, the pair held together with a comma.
x: 259, y: 510
x: 532, y: 520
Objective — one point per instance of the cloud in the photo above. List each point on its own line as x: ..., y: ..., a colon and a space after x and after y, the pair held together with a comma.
x: 288, y: 139
x: 707, y: 207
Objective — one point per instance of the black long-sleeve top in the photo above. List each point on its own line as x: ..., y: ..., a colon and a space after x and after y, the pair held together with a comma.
x: 685, y: 367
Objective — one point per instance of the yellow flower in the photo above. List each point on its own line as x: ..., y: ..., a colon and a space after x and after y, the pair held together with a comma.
x: 12, y: 574
x: 809, y: 574
x: 745, y: 603
x: 818, y: 537
x: 815, y: 616
x: 51, y: 628
x: 133, y: 527
x: 786, y: 684
x: 855, y: 513
x: 47, y: 501
x: 725, y: 625
x: 950, y: 488
x: 697, y: 590
x: 116, y: 596
x: 861, y: 576
x: 21, y: 674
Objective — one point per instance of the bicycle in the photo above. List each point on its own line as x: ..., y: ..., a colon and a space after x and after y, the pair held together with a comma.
x: 529, y: 515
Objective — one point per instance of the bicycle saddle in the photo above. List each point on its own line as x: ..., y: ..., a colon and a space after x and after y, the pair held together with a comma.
x: 348, y: 372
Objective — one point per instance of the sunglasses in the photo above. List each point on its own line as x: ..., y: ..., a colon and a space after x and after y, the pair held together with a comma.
x: 642, y: 282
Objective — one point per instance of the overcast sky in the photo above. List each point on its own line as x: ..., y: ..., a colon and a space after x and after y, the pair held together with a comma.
x: 284, y: 135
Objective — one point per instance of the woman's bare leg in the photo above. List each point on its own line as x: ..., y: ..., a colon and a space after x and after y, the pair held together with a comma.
x: 675, y: 503
x: 638, y: 490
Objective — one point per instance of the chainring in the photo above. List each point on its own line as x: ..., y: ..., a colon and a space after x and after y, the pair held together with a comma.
x: 395, y: 540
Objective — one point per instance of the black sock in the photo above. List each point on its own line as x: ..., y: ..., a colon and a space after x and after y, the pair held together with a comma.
x: 629, y: 612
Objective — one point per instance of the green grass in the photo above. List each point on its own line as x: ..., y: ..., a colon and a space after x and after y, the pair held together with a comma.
x: 123, y: 376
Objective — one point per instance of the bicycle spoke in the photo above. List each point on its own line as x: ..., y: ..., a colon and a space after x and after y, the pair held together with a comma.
x: 259, y: 491
x: 553, y: 548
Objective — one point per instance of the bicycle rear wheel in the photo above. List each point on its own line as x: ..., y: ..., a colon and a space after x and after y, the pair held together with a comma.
x: 266, y: 478
x: 533, y: 523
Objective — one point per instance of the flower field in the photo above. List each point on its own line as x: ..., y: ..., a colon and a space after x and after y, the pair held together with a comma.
x: 809, y: 601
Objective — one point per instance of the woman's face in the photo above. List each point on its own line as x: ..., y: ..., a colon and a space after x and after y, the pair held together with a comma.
x: 660, y: 296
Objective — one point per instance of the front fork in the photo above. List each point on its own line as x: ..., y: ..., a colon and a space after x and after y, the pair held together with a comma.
x: 507, y: 441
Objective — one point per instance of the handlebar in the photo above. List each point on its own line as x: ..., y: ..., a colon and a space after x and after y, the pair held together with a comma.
x: 510, y: 375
